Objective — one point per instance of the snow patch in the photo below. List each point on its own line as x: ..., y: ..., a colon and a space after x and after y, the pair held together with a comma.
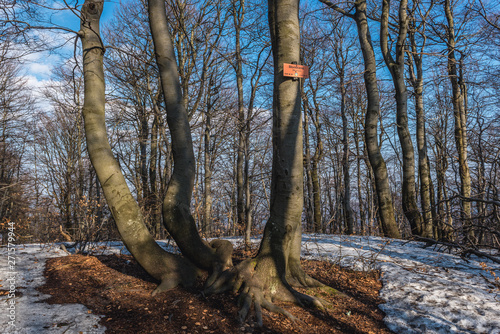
x: 32, y: 314
x: 425, y: 290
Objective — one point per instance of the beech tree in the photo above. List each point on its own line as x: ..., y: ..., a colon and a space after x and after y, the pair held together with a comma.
x: 276, y: 268
x: 459, y: 101
x: 396, y: 66
x: 415, y: 55
x: 376, y: 159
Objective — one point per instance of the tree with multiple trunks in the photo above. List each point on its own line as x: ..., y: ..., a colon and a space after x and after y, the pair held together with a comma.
x: 274, y: 272
x: 377, y: 162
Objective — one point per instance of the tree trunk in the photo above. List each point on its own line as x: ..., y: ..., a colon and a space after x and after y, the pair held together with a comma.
x: 460, y: 116
x: 309, y: 204
x: 361, y: 205
x: 238, y: 14
x: 277, y: 265
x: 207, y: 167
x: 169, y: 269
x: 315, y: 178
x: 153, y: 172
x: 386, y: 209
x: 176, y: 204
x: 445, y: 220
x: 177, y: 217
x: 348, y: 214
x: 424, y: 169
x: 396, y: 68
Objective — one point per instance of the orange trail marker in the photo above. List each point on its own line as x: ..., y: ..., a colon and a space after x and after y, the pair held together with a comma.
x: 295, y: 71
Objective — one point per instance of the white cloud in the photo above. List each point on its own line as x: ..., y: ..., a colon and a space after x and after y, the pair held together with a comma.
x: 36, y: 85
x: 40, y: 70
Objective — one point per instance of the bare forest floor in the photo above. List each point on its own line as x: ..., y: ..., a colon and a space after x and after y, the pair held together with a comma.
x: 117, y: 288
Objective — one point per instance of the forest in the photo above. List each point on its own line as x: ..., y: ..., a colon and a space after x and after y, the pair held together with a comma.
x: 173, y: 120
x: 431, y: 114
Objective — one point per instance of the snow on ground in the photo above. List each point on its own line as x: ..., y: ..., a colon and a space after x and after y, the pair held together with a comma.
x: 426, y: 290
x: 31, y: 315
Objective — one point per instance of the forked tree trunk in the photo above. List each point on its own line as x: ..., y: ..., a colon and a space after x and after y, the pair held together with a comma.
x: 386, y: 209
x: 169, y: 269
x: 176, y: 204
x: 396, y: 67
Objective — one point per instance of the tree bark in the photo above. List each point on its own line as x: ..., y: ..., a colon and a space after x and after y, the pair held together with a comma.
x: 396, y: 68
x: 386, y: 209
x: 460, y: 115
x: 424, y: 169
x: 276, y: 267
x: 169, y: 269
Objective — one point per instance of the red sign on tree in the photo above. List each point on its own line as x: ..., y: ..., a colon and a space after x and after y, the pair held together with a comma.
x: 295, y: 71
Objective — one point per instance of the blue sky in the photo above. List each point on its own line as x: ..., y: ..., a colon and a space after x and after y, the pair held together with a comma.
x: 38, y: 67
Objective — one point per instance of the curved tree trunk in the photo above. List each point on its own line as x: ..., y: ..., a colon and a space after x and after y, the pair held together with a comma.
x: 396, y: 67
x: 176, y: 204
x: 169, y: 269
x: 377, y: 162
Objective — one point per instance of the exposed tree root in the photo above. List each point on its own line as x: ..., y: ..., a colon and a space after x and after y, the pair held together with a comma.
x: 181, y: 272
x: 223, y: 259
x: 184, y: 273
x: 256, y: 297
x: 259, y: 286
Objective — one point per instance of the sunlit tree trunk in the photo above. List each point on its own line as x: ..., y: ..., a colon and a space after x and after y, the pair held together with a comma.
x: 424, y: 169
x: 459, y: 101
x: 169, y: 269
x: 348, y: 214
x: 386, y: 209
x: 396, y: 67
